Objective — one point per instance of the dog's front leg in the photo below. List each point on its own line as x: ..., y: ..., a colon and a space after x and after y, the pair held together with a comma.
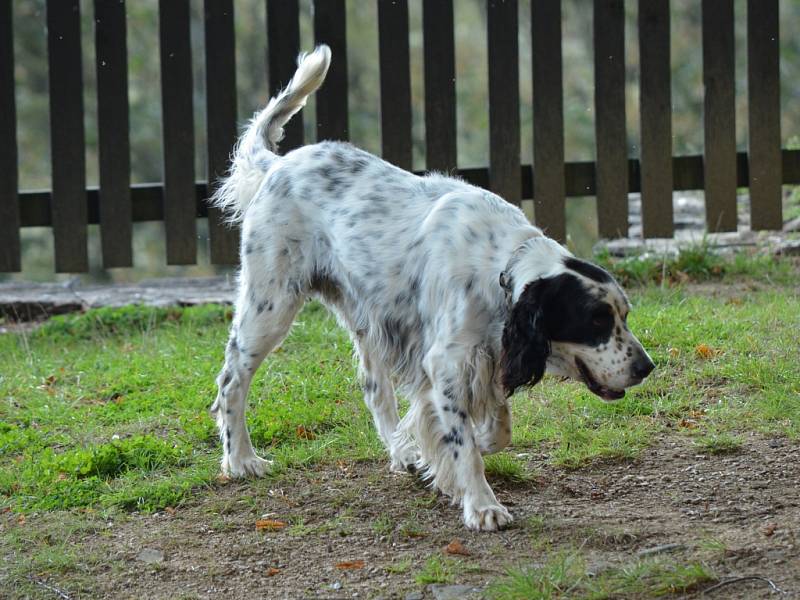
x: 453, y: 455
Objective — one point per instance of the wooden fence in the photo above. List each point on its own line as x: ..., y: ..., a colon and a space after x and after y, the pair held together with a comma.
x: 179, y: 200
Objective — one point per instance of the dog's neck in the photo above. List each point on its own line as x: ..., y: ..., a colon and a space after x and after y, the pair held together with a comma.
x: 535, y: 258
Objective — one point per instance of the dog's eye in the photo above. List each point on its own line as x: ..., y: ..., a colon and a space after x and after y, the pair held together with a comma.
x: 601, y: 318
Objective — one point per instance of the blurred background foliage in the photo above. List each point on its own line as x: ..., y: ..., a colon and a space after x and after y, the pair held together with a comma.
x: 364, y: 97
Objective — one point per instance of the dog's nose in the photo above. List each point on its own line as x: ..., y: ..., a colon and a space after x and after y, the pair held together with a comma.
x: 642, y: 367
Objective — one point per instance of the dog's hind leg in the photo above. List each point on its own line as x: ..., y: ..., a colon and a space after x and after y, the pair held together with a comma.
x: 380, y: 398
x: 261, y: 322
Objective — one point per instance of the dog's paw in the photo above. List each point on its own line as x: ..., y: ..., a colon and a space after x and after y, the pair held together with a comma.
x: 487, y: 518
x: 404, y: 461
x: 249, y: 466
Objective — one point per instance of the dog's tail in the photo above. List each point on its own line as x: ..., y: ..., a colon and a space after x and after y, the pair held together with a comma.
x: 265, y: 131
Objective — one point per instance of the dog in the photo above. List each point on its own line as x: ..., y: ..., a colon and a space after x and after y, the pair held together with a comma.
x: 451, y: 297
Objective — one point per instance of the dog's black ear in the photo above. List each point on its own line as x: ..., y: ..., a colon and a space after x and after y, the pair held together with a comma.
x: 526, y: 345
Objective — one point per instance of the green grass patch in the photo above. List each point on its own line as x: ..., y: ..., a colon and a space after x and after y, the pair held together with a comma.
x: 110, y: 408
x: 566, y: 575
x: 696, y: 262
x: 505, y: 466
x: 437, y: 569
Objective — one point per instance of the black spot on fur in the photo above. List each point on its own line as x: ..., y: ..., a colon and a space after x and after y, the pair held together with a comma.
x: 455, y: 454
x: 586, y: 269
x: 453, y: 437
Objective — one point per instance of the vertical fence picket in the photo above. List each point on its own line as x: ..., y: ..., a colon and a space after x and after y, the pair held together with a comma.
x: 395, y: 82
x: 440, y: 85
x: 330, y: 27
x: 180, y: 207
x: 220, y: 119
x: 610, y: 131
x: 505, y: 177
x: 283, y: 46
x: 69, y: 206
x: 763, y: 85
x: 656, y: 117
x: 9, y: 203
x: 111, y: 58
x: 719, y: 115
x: 548, y: 118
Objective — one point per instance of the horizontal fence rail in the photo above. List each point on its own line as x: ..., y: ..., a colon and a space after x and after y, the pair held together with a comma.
x: 69, y: 207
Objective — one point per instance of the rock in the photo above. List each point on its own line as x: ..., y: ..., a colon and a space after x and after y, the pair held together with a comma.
x: 793, y: 225
x: 414, y: 596
x: 660, y: 549
x: 453, y: 592
x: 150, y: 556
x: 789, y: 248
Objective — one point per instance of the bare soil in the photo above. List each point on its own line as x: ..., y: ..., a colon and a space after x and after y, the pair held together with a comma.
x: 738, y: 513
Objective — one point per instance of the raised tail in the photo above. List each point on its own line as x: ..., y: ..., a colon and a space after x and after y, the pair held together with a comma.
x: 265, y: 131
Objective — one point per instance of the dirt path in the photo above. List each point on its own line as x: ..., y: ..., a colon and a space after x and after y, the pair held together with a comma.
x: 738, y: 513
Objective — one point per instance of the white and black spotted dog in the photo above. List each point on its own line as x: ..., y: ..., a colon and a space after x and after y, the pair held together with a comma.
x: 451, y: 297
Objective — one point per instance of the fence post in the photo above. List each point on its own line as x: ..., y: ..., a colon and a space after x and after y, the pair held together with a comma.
x: 548, y: 119
x: 440, y: 85
x: 283, y: 46
x: 330, y: 27
x: 69, y: 207
x: 9, y: 203
x: 610, y: 131
x: 111, y: 64
x: 764, y: 110
x: 395, y: 82
x: 656, y: 115
x: 505, y: 177
x: 220, y: 120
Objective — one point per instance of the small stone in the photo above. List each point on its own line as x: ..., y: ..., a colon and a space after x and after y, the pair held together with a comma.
x: 414, y: 596
x: 150, y: 556
x: 660, y: 549
x: 452, y: 592
x: 336, y: 585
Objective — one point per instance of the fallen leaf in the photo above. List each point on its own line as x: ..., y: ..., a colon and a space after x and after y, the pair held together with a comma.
x: 21, y: 520
x: 769, y: 529
x: 681, y: 277
x: 169, y: 510
x: 269, y: 525
x: 674, y: 353
x: 705, y: 351
x: 304, y: 434
x: 350, y: 564
x: 687, y: 423
x: 456, y: 547
x: 272, y: 571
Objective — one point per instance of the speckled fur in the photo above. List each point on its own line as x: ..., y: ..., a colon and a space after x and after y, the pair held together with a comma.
x: 411, y: 267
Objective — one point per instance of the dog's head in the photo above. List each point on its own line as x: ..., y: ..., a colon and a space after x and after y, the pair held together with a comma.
x: 568, y: 317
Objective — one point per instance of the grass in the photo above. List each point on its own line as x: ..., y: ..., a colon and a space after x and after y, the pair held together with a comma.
x: 107, y: 412
x: 696, y: 262
x: 437, y: 569
x: 566, y: 575
x: 110, y: 408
